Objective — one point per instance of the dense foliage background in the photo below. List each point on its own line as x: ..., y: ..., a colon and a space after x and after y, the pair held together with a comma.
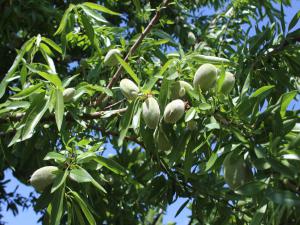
x: 48, y: 46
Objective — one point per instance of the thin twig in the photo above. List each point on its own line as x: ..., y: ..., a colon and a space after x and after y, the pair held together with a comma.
x: 116, y: 76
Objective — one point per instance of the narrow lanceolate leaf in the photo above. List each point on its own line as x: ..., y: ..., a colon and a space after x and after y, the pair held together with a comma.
x: 128, y: 69
x: 182, y: 207
x: 111, y: 165
x: 100, y: 8
x: 89, y: 30
x: 80, y: 175
x: 52, y: 44
x: 286, y: 100
x: 25, y: 48
x: 57, y: 206
x: 83, y: 206
x: 49, y: 60
x: 261, y: 91
x: 208, y: 59
x: 294, y: 21
x: 27, y: 91
x: 126, y: 120
x: 63, y: 22
x: 59, y: 180
x: 53, y: 78
x: 95, y: 15
x: 59, y: 108
x: 32, y: 117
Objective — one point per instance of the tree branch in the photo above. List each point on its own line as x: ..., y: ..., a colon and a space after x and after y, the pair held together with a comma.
x: 87, y: 116
x: 116, y: 76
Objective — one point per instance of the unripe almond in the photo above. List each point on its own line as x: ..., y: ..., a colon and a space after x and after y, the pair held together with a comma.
x: 236, y: 171
x: 191, y: 38
x: 151, y: 112
x: 180, y: 88
x: 129, y: 89
x: 205, y: 77
x: 174, y: 111
x: 162, y: 141
x: 68, y: 94
x: 43, y: 177
x: 228, y: 83
x: 110, y: 58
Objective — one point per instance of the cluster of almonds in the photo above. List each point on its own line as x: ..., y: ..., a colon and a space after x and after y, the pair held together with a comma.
x: 204, y: 79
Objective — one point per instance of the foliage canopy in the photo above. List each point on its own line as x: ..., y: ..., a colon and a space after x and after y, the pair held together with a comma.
x: 49, y: 47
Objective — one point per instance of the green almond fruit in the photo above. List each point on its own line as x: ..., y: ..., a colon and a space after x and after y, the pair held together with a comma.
x: 68, y: 94
x: 180, y: 88
x: 236, y: 171
x: 151, y: 112
x: 110, y: 58
x: 228, y: 83
x: 43, y: 177
x: 129, y: 89
x: 191, y: 38
x: 205, y: 77
x: 174, y: 111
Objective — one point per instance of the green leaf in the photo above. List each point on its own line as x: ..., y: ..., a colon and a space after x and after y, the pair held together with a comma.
x: 111, y: 165
x: 59, y: 108
x: 48, y: 59
x: 32, y: 117
x: 53, y: 78
x: 128, y: 69
x: 286, y: 98
x: 126, y: 120
x: 294, y: 21
x: 251, y: 188
x: 78, y: 214
x: 190, y: 114
x: 27, y: 91
x: 261, y: 91
x: 57, y: 206
x: 283, y: 197
x: 59, y: 180
x: 98, y: 17
x: 52, y: 44
x: 64, y: 20
x: 182, y: 207
x: 25, y: 48
x: 208, y: 59
x: 100, y: 8
x: 88, y: 28
x: 84, y: 208
x: 258, y: 216
x: 55, y: 156
x: 204, y: 106
x: 100, y: 89
x: 212, y: 159
x: 246, y: 85
x: 14, y: 105
x: 68, y: 80
x: 80, y: 175
x: 164, y: 93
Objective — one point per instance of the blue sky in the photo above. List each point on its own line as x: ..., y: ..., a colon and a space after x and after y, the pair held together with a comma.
x: 28, y: 217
